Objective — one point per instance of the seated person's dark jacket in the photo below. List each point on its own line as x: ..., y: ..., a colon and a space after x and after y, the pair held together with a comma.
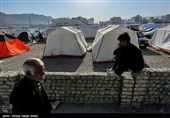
x: 26, y: 99
x: 130, y: 56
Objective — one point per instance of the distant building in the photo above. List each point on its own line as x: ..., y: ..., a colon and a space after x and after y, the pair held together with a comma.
x: 130, y: 21
x: 91, y: 21
x: 157, y: 20
x: 137, y: 19
x: 103, y: 23
x: 144, y: 21
x: 166, y: 18
x: 115, y: 20
x: 123, y: 21
x: 79, y: 18
x: 153, y: 20
x: 66, y: 22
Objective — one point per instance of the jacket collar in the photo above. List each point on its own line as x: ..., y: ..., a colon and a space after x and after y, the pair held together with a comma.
x: 32, y: 82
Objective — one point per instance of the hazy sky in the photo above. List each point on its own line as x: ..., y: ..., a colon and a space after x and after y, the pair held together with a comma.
x: 100, y: 10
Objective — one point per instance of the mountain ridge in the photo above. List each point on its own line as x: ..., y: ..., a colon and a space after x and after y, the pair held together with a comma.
x: 24, y: 18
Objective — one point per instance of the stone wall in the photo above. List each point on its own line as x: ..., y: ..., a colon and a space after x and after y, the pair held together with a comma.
x: 150, y: 86
x: 69, y: 87
x: 82, y: 87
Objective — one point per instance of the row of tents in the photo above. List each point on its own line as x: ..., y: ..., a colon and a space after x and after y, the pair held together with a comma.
x: 26, y: 35
x: 29, y: 37
x: 67, y: 41
x: 11, y: 46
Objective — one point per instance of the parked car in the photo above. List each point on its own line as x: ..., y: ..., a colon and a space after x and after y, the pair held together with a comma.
x: 134, y: 27
x: 149, y: 29
x: 149, y: 32
x: 143, y: 41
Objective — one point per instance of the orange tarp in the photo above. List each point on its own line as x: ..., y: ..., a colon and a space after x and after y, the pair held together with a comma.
x: 12, y: 47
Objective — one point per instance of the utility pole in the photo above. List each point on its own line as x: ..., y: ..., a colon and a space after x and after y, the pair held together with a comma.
x: 48, y: 21
x: 29, y: 21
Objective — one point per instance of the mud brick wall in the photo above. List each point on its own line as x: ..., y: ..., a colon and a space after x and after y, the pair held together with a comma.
x: 157, y: 87
x: 140, y: 87
x: 126, y: 93
x: 70, y: 87
x: 7, y: 82
x: 150, y: 86
x: 82, y: 87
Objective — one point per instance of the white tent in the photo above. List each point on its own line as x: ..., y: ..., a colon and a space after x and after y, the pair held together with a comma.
x: 161, y: 38
x: 106, y: 42
x: 64, y: 41
x: 97, y: 34
x: 81, y: 35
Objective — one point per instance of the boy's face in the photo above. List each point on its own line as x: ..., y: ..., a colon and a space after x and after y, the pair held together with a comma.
x: 123, y: 43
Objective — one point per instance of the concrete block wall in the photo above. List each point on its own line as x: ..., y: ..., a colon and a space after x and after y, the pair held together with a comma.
x: 70, y: 87
x: 157, y: 86
x: 82, y: 87
x: 7, y: 82
x: 127, y: 86
x: 150, y: 86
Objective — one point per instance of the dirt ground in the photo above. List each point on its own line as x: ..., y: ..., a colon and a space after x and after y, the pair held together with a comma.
x: 85, y: 64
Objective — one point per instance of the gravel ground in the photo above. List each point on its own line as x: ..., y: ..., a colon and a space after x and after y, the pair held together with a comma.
x: 155, y: 59
x: 151, y: 57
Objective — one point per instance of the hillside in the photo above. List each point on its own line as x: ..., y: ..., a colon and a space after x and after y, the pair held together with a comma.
x: 24, y: 19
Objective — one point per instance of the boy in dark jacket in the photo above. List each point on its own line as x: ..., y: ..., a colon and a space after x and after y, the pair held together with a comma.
x: 128, y: 56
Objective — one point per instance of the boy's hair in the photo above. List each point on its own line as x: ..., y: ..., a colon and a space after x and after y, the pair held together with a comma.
x: 123, y: 37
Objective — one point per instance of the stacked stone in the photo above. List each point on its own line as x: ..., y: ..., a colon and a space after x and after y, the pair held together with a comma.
x: 150, y: 86
x: 140, y: 88
x: 7, y: 82
x: 82, y: 87
x: 158, y: 88
x: 126, y: 89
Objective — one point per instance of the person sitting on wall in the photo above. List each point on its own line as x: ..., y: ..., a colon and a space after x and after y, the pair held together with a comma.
x: 128, y: 56
x: 28, y: 95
